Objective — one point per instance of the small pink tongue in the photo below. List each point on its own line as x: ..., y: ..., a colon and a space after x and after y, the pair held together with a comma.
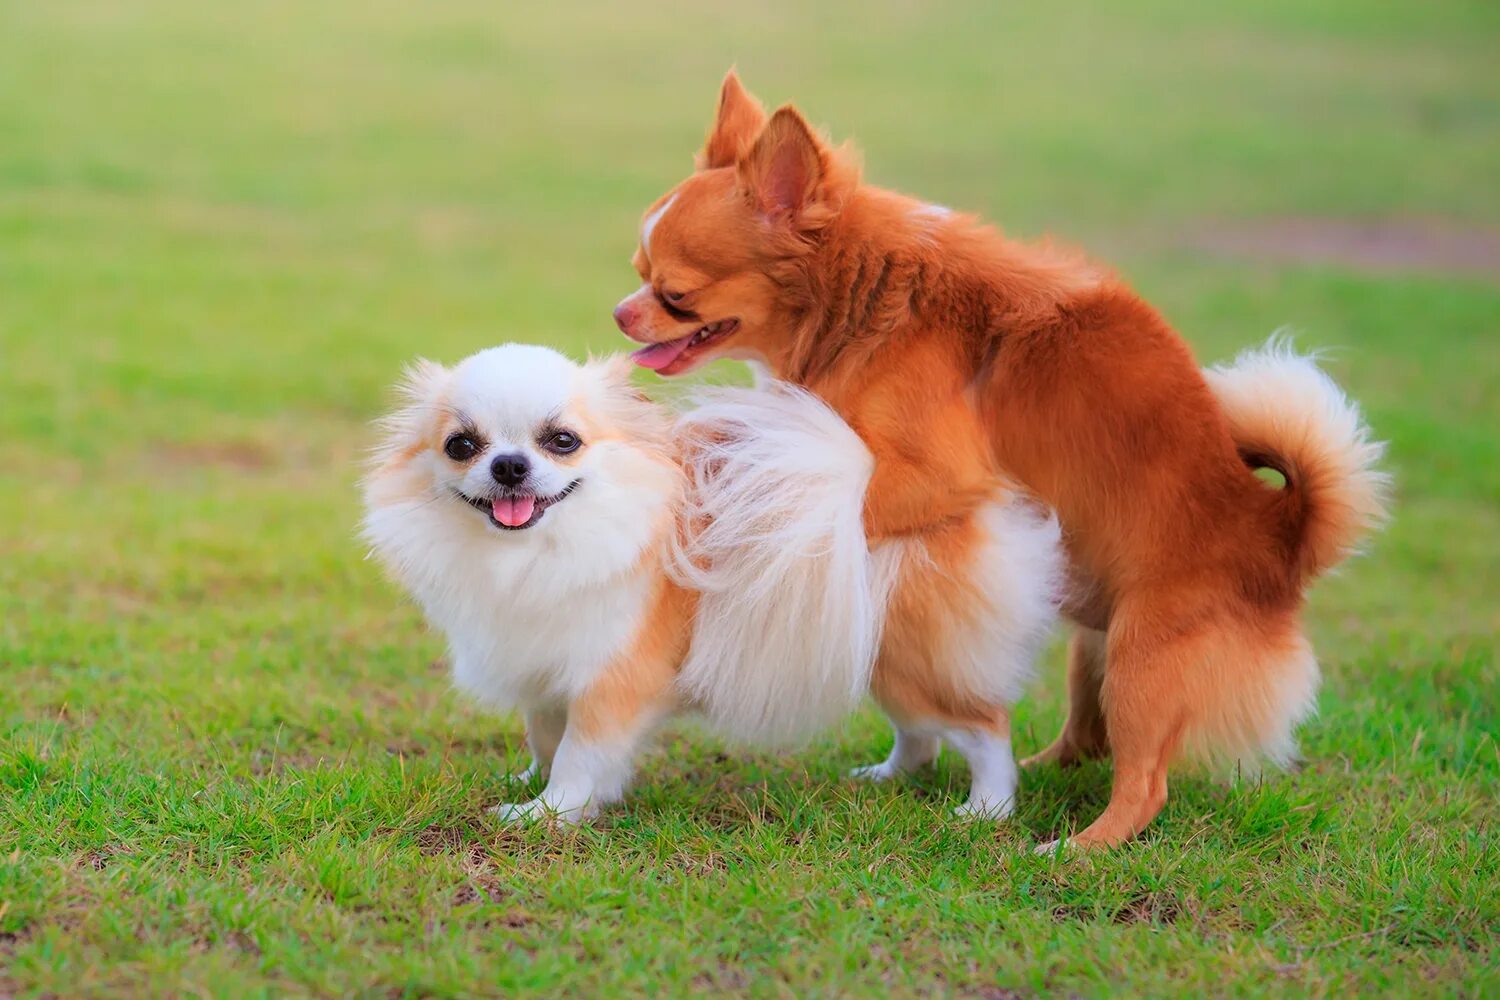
x: 658, y: 356
x: 514, y: 511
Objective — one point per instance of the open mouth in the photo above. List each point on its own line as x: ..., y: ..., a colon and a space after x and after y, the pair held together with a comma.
x: 673, y: 356
x: 514, y: 511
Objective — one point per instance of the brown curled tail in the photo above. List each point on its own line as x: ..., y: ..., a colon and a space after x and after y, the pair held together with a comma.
x: 1286, y: 414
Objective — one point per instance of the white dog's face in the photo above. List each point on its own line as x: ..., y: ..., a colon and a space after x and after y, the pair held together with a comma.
x: 513, y: 435
x: 518, y: 449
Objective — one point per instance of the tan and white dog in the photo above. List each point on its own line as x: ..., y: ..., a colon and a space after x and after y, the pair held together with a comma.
x: 598, y: 566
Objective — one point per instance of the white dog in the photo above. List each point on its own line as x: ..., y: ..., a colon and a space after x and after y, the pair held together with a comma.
x: 599, y: 567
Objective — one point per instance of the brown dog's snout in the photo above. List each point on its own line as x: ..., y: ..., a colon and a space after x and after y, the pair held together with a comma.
x: 625, y: 316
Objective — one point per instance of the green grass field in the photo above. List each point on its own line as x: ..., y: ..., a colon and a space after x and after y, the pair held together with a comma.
x: 230, y: 762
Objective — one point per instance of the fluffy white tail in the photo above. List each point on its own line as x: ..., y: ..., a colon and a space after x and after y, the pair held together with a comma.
x: 1286, y: 413
x: 792, y: 605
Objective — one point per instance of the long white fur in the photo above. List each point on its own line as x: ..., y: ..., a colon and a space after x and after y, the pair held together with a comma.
x: 792, y: 602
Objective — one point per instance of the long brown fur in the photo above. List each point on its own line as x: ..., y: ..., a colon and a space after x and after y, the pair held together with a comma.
x: 959, y: 354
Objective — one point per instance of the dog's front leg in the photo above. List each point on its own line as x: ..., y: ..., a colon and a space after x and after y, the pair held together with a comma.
x: 605, y: 727
x: 587, y: 775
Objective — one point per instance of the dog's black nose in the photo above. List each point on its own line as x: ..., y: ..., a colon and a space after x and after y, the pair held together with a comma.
x: 510, y: 470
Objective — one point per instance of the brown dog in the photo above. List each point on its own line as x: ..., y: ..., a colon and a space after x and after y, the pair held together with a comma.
x: 956, y: 353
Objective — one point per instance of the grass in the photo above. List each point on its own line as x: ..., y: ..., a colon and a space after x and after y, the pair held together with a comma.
x: 230, y: 763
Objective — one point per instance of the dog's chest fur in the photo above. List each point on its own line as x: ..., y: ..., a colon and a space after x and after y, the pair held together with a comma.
x: 512, y: 649
x: 531, y: 618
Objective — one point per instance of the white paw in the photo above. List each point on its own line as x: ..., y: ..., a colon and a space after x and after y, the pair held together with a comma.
x: 985, y: 809
x: 1046, y: 850
x: 520, y: 812
x: 524, y: 777
x: 884, y: 771
x: 538, y: 810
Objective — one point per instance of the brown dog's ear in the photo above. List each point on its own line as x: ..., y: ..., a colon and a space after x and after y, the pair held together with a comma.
x: 784, y: 168
x: 735, y: 127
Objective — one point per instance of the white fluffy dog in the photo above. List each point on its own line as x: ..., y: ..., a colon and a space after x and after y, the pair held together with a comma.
x: 598, y: 567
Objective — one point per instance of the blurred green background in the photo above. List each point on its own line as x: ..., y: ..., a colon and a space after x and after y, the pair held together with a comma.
x: 229, y: 761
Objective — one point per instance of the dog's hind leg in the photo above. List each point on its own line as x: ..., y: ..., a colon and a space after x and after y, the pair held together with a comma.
x: 1223, y: 687
x: 972, y: 603
x: 993, y: 779
x: 1084, y: 735
x: 544, y: 731
x: 1158, y: 671
x: 914, y: 749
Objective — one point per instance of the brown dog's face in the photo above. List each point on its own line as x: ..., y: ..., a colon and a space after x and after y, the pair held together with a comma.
x: 715, y: 251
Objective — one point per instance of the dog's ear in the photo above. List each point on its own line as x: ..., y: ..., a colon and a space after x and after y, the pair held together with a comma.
x: 783, y: 171
x: 419, y: 381
x: 613, y: 373
x: 739, y: 120
x: 619, y: 401
x: 418, y: 410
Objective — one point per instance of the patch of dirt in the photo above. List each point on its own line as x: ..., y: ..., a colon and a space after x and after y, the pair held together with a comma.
x: 265, y: 763
x: 1387, y: 245
x: 435, y: 840
x: 242, y: 942
x: 513, y: 919
x: 1156, y: 908
x: 724, y: 979
x: 698, y: 866
x: 10, y: 941
x: 480, y: 885
x: 102, y: 857
x: 240, y: 456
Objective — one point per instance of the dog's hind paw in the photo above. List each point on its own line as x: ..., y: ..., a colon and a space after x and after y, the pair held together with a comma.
x: 540, y: 810
x: 519, y: 812
x: 524, y: 776
x: 884, y: 771
x: 986, y: 809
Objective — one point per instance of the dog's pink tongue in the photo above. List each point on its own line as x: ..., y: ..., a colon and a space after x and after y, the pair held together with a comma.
x: 658, y: 356
x: 514, y: 511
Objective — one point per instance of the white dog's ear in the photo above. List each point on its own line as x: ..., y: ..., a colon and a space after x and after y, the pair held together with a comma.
x: 418, y: 397
x: 613, y: 373
x: 621, y: 402
x: 420, y: 381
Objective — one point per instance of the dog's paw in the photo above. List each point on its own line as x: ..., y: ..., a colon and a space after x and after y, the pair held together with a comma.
x: 985, y: 809
x: 539, y: 810
x: 884, y: 771
x: 525, y: 776
x: 520, y: 812
x: 1050, y: 848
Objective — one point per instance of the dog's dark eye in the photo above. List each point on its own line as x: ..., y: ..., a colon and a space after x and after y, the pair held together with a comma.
x: 562, y: 442
x: 460, y: 447
x: 674, y: 298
